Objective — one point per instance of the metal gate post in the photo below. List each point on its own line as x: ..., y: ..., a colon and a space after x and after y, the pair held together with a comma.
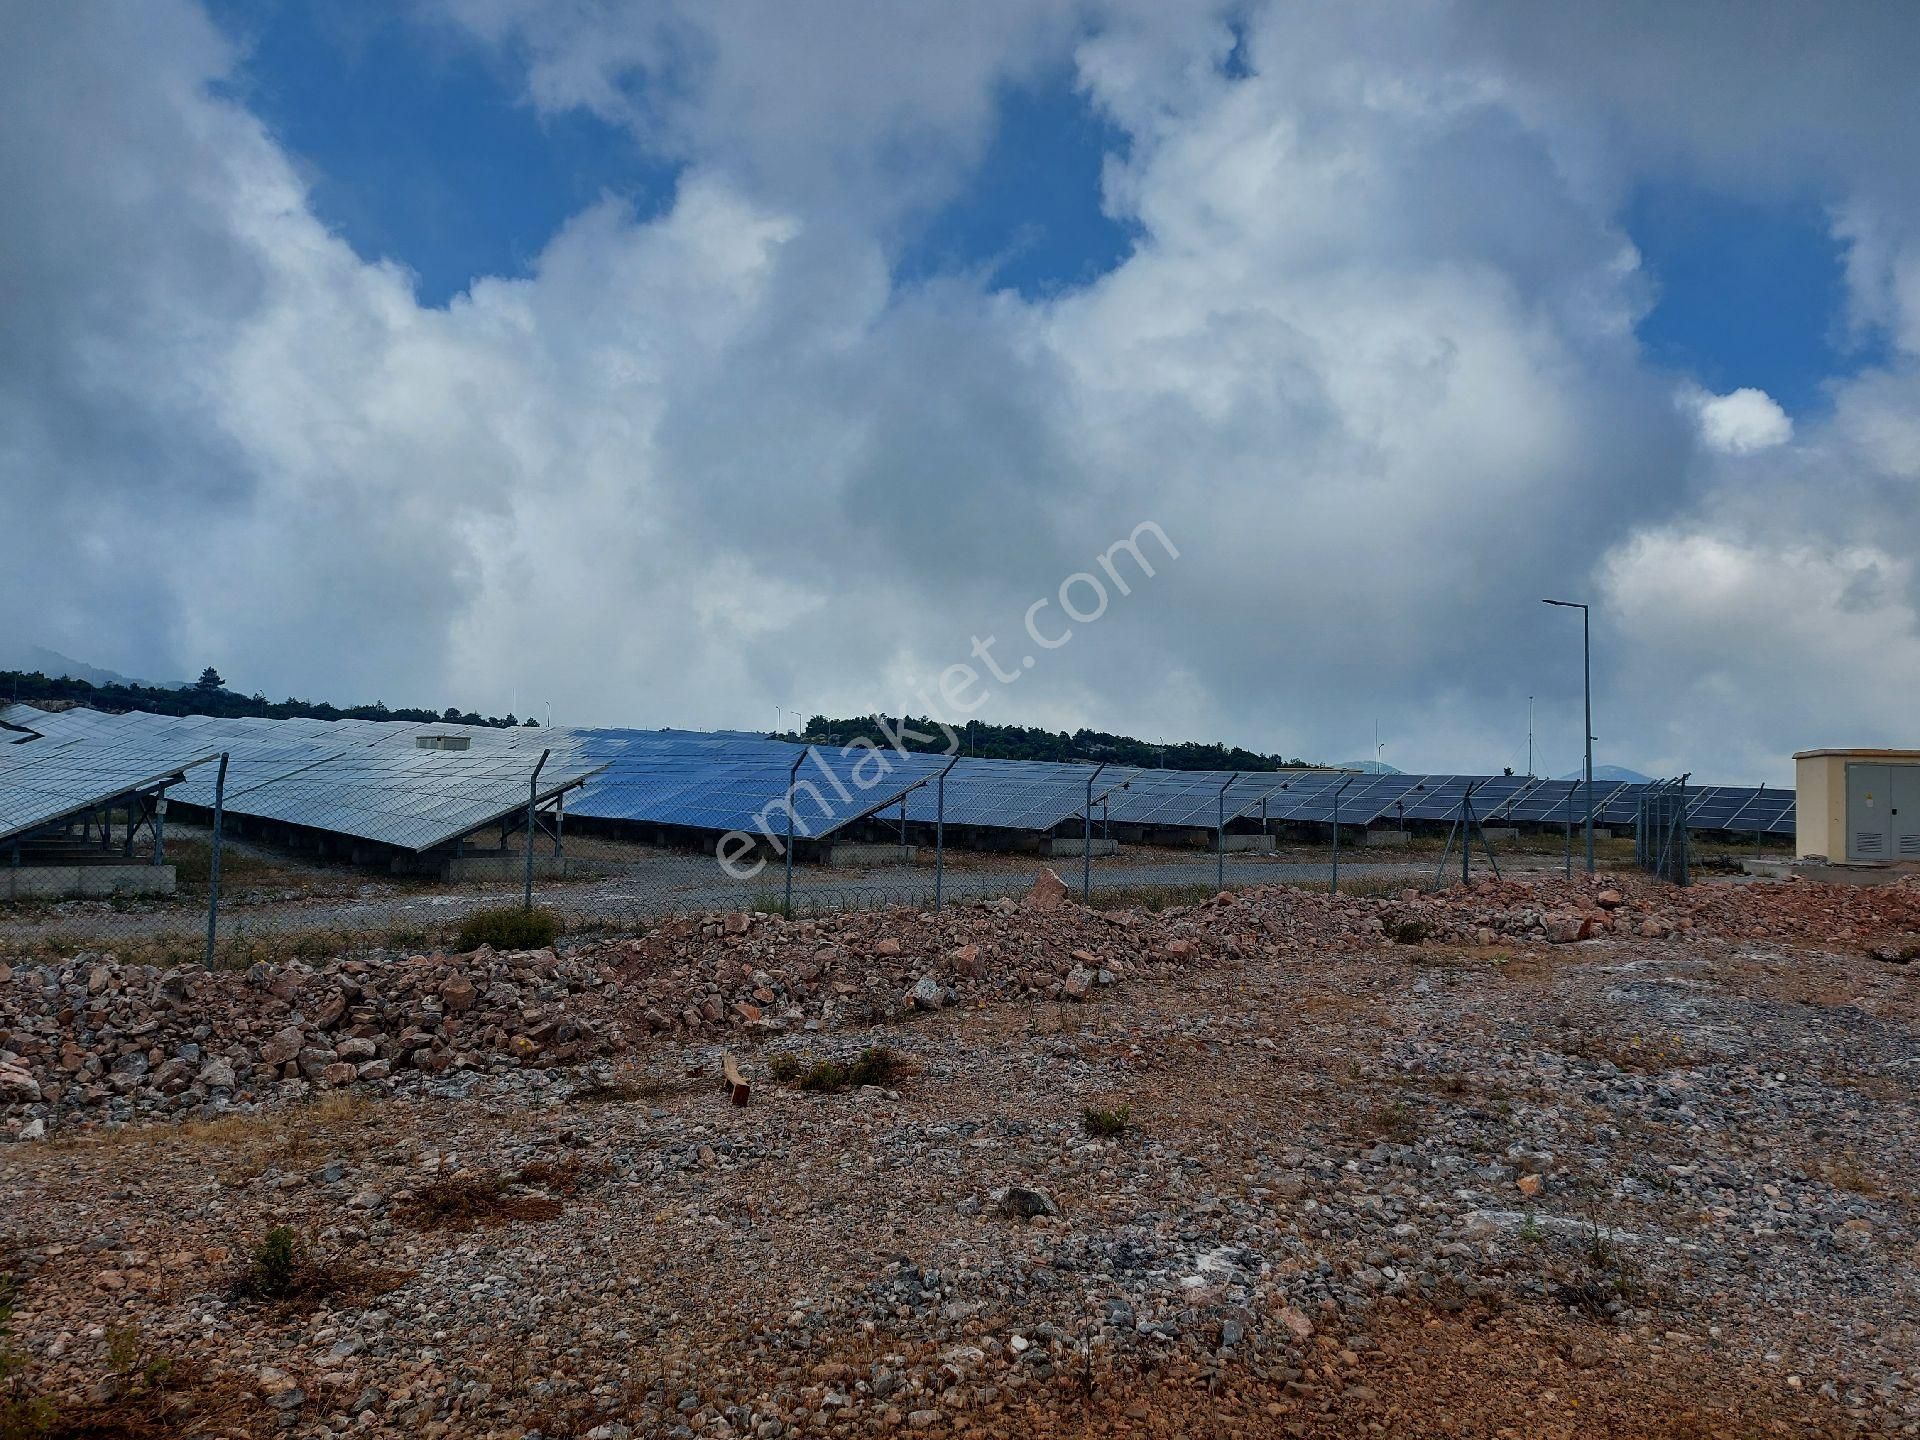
x: 788, y: 907
x: 533, y: 799
x: 940, y: 831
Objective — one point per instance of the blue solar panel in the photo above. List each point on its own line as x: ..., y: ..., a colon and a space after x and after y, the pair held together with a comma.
x: 1545, y: 800
x: 734, y: 780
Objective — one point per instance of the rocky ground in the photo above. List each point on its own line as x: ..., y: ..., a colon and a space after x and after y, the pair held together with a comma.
x: 1534, y: 1158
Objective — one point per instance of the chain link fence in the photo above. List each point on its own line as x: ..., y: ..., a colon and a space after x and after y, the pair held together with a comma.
x: 229, y: 870
x: 1662, y: 842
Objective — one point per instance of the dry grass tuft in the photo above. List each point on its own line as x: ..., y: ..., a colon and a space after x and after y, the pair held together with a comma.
x: 469, y: 1199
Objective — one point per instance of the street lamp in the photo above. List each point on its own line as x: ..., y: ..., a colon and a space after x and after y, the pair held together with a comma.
x: 1586, y: 669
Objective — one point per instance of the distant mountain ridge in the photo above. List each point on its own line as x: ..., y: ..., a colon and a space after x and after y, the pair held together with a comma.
x: 17, y: 655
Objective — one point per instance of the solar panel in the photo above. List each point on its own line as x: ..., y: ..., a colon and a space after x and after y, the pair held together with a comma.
x: 48, y: 781
x: 1185, y: 798
x: 1275, y: 792
x: 367, y: 778
x: 410, y: 799
x: 1360, y: 802
x: 1764, y: 812
x: 1545, y: 800
x: 1013, y: 794
x: 1716, y: 805
x: 1433, y: 797
x: 1613, y: 803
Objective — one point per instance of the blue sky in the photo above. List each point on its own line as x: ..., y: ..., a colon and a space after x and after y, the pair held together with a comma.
x: 417, y: 142
x: 420, y: 146
x: 1749, y: 293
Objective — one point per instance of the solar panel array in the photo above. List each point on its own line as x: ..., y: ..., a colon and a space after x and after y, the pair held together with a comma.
x: 370, y: 779
x: 364, y: 779
x: 48, y: 781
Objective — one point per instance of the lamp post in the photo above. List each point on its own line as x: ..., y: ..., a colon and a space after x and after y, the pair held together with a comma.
x: 1586, y: 685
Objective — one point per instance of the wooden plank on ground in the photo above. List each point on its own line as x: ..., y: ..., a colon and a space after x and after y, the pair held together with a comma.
x: 736, y: 1082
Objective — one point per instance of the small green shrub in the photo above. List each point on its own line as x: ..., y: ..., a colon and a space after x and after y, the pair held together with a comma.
x: 273, y: 1269
x: 1105, y: 1123
x: 875, y: 1066
x: 784, y: 1067
x: 509, y: 928
x: 1407, y: 931
x: 824, y: 1077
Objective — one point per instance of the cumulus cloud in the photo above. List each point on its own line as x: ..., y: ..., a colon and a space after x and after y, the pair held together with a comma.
x: 1370, y: 364
x: 1825, y: 638
x: 1738, y: 423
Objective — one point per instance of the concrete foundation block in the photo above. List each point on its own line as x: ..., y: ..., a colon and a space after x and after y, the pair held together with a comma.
x: 1066, y: 848
x: 857, y: 853
x: 1384, y: 839
x: 491, y: 865
x: 76, y: 882
x: 1235, y: 844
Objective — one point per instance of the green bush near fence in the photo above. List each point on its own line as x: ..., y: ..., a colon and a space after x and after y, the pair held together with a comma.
x: 509, y: 928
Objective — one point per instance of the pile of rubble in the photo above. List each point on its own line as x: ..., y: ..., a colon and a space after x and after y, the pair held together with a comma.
x: 97, y: 1039
x: 94, y: 1037
x: 759, y: 974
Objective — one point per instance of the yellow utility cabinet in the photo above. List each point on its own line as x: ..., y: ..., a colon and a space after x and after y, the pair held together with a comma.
x: 1857, y: 804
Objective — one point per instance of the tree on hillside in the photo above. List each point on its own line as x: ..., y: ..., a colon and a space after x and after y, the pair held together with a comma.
x: 209, y: 680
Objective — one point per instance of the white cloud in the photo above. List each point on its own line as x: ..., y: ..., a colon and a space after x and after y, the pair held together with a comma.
x: 1370, y: 364
x: 1740, y: 422
x: 1712, y: 628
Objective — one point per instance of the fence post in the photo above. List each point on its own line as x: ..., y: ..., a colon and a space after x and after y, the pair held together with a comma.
x: 1086, y: 839
x: 533, y: 800
x: 787, y: 907
x: 1336, y: 831
x: 1220, y: 837
x: 213, y: 865
x: 940, y: 831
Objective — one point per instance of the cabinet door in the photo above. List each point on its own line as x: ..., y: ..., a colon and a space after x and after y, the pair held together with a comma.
x: 1904, y: 787
x: 1869, y: 812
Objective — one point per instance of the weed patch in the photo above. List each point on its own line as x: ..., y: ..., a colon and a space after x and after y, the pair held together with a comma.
x: 1106, y: 1122
x: 470, y: 1199
x: 509, y: 928
x: 875, y: 1065
x: 1150, y: 897
x: 281, y: 1268
x: 1394, y: 1121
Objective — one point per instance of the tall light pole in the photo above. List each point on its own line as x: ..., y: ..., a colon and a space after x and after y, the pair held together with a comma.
x: 1586, y: 685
